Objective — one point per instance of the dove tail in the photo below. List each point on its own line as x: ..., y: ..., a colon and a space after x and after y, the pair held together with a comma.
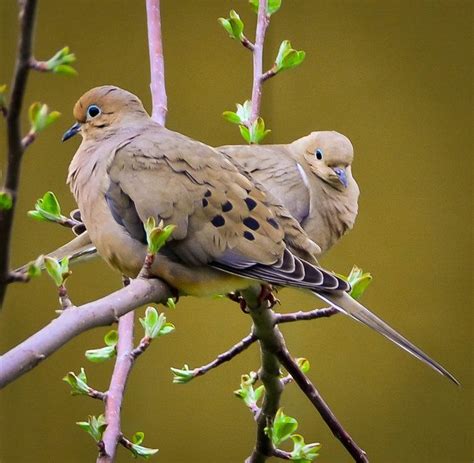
x: 78, y: 250
x: 351, y: 307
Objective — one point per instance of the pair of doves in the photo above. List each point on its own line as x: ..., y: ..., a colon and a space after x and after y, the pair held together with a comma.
x: 244, y: 215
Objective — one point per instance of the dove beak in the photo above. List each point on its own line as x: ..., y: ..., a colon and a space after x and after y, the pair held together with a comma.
x: 72, y: 131
x: 341, y: 175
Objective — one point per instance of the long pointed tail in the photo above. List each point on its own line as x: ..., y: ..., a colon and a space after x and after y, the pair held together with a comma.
x: 346, y: 304
x: 78, y: 250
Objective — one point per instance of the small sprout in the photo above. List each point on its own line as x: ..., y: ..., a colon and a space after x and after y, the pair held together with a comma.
x: 41, y: 118
x: 104, y: 353
x: 58, y: 271
x: 358, y: 280
x: 303, y: 364
x: 247, y: 393
x: 303, y: 453
x: 47, y: 208
x: 170, y: 303
x: 233, y: 26
x: 138, y: 450
x: 241, y: 116
x: 287, y: 57
x: 272, y: 6
x: 33, y: 269
x: 94, y: 426
x: 183, y: 375
x: 256, y: 133
x: 6, y: 200
x: 60, y: 63
x: 78, y: 383
x: 282, y: 429
x: 157, y: 236
x: 155, y: 325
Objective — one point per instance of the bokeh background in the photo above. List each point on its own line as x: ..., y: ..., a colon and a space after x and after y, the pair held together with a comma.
x: 394, y: 76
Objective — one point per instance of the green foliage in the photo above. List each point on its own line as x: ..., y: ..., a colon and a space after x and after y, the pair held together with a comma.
x: 157, y: 236
x: 170, y: 303
x: 104, y: 353
x: 57, y: 270
x: 251, y: 133
x: 78, y: 382
x: 60, y: 63
x: 47, y: 208
x: 272, y: 6
x: 242, y: 115
x: 41, y: 118
x: 6, y: 201
x: 138, y: 450
x: 33, y: 269
x: 183, y: 375
x: 247, y: 392
x: 287, y: 57
x: 94, y: 426
x: 282, y: 429
x: 303, y: 453
x: 155, y: 325
x: 233, y: 26
x: 358, y: 280
x: 303, y: 364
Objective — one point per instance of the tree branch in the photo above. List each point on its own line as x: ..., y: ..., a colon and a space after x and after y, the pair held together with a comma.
x: 15, y: 147
x: 262, y: 23
x: 315, y: 397
x: 118, y: 382
x: 76, y: 320
x: 157, y: 65
x: 306, y: 315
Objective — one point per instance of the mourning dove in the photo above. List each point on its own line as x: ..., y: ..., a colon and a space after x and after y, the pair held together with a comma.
x: 228, y: 235
x: 312, y: 177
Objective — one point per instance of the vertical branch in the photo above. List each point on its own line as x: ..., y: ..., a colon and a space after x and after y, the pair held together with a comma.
x: 15, y: 149
x: 262, y: 23
x: 157, y: 65
x: 118, y: 382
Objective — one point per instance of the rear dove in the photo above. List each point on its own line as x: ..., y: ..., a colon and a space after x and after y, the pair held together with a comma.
x: 311, y: 177
x: 228, y: 235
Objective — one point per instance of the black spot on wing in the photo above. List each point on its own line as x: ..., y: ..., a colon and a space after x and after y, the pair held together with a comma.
x: 251, y: 203
x: 251, y: 223
x: 227, y: 206
x: 273, y: 223
x: 218, y: 221
x: 204, y: 202
x: 249, y: 236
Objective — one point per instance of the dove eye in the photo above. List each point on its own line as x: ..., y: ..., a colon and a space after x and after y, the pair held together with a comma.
x: 93, y: 110
x: 319, y: 154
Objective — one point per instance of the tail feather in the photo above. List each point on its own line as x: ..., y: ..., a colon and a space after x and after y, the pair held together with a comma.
x: 78, y: 250
x: 351, y: 307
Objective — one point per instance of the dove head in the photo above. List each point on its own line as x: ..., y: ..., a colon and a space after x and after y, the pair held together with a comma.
x: 104, y: 108
x: 329, y: 154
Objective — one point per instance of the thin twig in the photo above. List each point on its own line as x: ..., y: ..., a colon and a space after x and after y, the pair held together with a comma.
x: 118, y: 382
x: 15, y: 147
x: 323, y: 408
x: 72, y: 322
x: 157, y: 65
x: 262, y: 23
x: 306, y: 315
x: 227, y: 355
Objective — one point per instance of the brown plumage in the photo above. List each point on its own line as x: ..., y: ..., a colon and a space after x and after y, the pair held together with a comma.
x: 311, y: 177
x: 228, y: 234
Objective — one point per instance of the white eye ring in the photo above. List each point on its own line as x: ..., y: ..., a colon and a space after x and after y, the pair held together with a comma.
x: 93, y: 111
x: 319, y: 154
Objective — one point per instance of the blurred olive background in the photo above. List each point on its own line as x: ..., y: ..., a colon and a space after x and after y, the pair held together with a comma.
x: 394, y: 76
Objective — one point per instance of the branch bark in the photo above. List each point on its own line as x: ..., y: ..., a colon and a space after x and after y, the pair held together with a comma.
x: 105, y: 311
x: 157, y: 64
x: 15, y: 147
x: 118, y: 382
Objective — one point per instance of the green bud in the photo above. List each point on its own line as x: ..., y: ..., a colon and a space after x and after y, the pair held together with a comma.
x: 303, y: 453
x: 247, y: 392
x: 138, y: 450
x: 183, y: 375
x: 95, y: 427
x: 170, y: 303
x: 40, y: 117
x: 257, y: 131
x: 303, y: 364
x: 282, y: 429
x: 47, y: 208
x: 287, y: 57
x: 358, y: 280
x: 233, y: 26
x: 58, y: 271
x: 231, y: 117
x: 272, y: 6
x: 155, y: 325
x: 59, y: 63
x: 6, y: 201
x: 157, y: 236
x: 78, y: 382
x: 101, y: 355
x: 34, y: 268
